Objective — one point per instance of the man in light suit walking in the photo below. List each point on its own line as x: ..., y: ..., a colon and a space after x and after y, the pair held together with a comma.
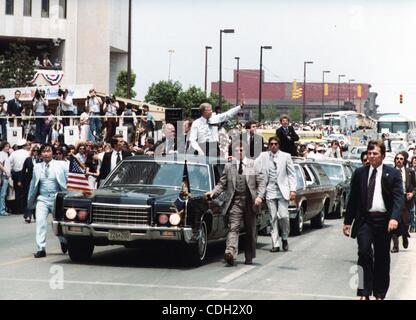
x: 279, y: 175
x: 241, y: 180
x: 48, y: 178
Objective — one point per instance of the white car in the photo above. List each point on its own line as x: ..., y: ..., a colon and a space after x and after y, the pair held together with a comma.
x: 339, y: 137
x: 355, y: 152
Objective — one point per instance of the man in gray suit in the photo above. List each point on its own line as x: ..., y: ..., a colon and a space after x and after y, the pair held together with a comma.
x: 241, y: 180
x: 280, y: 179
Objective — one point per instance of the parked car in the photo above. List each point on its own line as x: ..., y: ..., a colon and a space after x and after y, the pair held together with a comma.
x: 315, y: 196
x: 339, y: 174
x: 355, y: 152
x: 135, y: 205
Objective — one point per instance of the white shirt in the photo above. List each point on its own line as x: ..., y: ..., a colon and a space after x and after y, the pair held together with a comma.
x: 378, y: 202
x: 403, y: 172
x: 4, y: 160
x: 68, y: 105
x: 4, y: 109
x: 204, y: 130
x: 17, y: 159
x: 114, y: 159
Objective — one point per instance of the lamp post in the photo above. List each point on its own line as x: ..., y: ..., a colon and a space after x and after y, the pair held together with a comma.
x: 339, y: 83
x: 206, y: 68
x: 171, y: 52
x: 304, y: 89
x: 323, y: 94
x: 349, y: 89
x: 261, y: 77
x: 129, y: 55
x: 220, y: 84
x: 238, y: 81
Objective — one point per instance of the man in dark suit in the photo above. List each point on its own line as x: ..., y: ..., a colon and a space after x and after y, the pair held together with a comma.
x: 287, y: 136
x: 113, y: 158
x: 255, y: 142
x: 15, y: 106
x: 375, y: 206
x: 409, y: 186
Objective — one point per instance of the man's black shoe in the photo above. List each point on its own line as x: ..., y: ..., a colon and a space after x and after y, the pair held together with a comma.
x: 394, y: 250
x: 405, y: 242
x: 228, y: 257
x: 275, y: 249
x: 64, y: 248
x: 248, y: 262
x: 285, y: 245
x: 40, y: 254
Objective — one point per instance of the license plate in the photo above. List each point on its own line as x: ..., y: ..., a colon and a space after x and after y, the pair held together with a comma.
x: 117, y: 235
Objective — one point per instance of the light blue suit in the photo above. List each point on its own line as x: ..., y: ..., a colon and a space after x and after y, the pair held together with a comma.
x: 43, y: 189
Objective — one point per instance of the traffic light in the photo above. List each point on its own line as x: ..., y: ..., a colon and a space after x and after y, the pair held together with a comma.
x: 401, y: 99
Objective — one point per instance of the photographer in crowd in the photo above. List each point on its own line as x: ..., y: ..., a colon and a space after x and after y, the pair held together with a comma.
x: 110, y: 108
x: 93, y: 107
x: 40, y: 105
x: 66, y: 105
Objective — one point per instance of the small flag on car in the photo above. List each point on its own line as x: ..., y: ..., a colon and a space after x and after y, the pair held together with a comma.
x: 77, y: 180
x: 185, y: 193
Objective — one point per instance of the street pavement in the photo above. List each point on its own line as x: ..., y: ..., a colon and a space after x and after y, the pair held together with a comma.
x: 319, y: 266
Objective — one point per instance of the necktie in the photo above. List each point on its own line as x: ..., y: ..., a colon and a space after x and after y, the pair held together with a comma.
x: 252, y: 146
x: 47, y: 170
x: 370, y: 189
x: 118, y: 158
x: 240, y: 168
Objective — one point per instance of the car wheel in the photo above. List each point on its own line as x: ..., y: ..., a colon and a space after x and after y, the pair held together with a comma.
x: 318, y: 221
x: 80, y: 250
x: 196, y: 253
x: 339, y: 212
x: 296, y: 225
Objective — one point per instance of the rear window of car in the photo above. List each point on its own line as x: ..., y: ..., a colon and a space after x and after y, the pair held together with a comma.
x: 320, y: 175
x: 300, y: 183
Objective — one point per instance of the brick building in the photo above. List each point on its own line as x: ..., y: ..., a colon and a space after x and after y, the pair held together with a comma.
x: 281, y: 94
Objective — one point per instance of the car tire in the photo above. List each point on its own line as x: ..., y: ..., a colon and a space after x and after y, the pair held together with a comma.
x: 195, y: 254
x: 318, y: 221
x: 339, y: 211
x: 80, y: 250
x: 296, y: 225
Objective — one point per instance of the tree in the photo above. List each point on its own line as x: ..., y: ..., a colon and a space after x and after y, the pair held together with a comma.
x: 295, y: 114
x: 121, y: 88
x: 269, y: 113
x: 192, y: 98
x: 17, y: 67
x: 164, y: 93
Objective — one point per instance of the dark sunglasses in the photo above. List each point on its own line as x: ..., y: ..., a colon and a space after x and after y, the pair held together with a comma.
x: 273, y: 144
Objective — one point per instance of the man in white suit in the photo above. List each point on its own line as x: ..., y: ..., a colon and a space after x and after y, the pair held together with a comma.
x: 279, y: 175
x: 49, y: 177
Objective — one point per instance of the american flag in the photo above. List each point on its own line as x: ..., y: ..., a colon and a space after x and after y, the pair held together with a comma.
x: 77, y: 180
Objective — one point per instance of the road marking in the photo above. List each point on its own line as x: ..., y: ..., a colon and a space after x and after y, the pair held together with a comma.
x: 15, y: 262
x: 211, y: 289
x: 236, y: 274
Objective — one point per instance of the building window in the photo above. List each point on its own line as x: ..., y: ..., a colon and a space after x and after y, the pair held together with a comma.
x: 27, y: 8
x: 62, y: 9
x: 45, y: 9
x: 9, y: 7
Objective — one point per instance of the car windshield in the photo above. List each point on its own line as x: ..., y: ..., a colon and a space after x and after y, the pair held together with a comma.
x: 159, y: 174
x: 334, y: 173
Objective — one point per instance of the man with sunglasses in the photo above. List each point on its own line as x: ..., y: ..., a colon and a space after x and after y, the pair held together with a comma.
x: 409, y: 188
x: 280, y: 178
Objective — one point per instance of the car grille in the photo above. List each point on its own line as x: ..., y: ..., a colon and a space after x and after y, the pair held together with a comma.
x: 121, y: 214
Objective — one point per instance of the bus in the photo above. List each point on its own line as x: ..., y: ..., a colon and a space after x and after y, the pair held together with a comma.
x: 341, y: 120
x: 397, y: 126
x: 348, y: 120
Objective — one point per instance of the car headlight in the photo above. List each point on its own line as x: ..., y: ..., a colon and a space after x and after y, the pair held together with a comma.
x: 71, y: 214
x: 163, y: 219
x: 175, y: 219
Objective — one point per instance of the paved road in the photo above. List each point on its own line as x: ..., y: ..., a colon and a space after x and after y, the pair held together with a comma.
x: 318, y: 266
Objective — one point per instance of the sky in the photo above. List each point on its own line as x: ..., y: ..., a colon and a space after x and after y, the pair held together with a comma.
x: 368, y: 41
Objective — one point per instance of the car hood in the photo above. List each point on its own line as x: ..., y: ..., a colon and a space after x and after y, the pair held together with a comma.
x: 133, y: 195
